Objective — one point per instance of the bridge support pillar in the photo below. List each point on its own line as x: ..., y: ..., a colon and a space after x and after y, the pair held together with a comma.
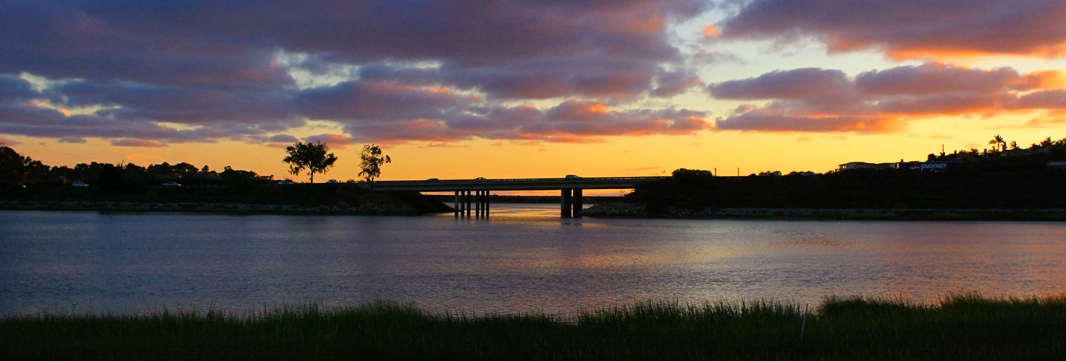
x: 577, y: 203
x: 480, y: 203
x: 472, y: 204
x: 456, y: 208
x: 566, y: 203
x: 466, y: 201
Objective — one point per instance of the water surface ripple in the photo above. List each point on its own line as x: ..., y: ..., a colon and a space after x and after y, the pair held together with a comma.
x: 525, y: 259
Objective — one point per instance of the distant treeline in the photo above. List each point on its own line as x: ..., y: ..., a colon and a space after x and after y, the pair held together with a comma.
x: 18, y: 170
x: 1000, y: 149
x: 995, y: 179
x: 23, y: 179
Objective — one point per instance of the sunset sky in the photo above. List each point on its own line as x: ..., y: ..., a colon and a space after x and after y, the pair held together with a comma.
x: 528, y: 88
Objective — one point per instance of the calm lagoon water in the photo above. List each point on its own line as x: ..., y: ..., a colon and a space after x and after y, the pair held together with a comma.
x: 524, y: 259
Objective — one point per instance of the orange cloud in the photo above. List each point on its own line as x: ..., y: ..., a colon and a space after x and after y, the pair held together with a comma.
x: 1041, y: 122
x: 8, y: 142
x: 129, y: 142
x: 645, y: 24
x: 1047, y: 79
x: 911, y: 52
x: 710, y: 31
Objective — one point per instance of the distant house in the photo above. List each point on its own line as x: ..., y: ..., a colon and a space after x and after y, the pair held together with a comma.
x: 864, y: 165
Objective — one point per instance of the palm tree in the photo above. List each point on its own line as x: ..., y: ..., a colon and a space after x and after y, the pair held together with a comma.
x: 998, y: 141
x: 1046, y: 142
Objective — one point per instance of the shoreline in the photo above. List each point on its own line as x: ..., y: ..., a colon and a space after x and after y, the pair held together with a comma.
x: 210, y: 208
x: 634, y: 210
x: 601, y: 210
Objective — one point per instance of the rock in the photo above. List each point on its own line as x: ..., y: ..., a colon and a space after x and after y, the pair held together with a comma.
x: 616, y: 210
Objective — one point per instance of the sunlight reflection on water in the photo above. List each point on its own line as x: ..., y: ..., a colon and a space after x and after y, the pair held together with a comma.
x: 523, y: 259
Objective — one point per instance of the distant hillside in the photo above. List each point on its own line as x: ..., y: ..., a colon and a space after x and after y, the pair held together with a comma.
x: 998, y: 178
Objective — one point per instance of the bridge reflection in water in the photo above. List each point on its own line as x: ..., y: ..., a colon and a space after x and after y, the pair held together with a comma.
x: 472, y: 195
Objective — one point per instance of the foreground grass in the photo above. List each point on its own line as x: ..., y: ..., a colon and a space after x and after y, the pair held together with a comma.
x: 961, y: 327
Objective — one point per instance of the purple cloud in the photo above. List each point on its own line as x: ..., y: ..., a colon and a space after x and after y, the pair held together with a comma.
x: 218, y: 68
x: 376, y: 101
x: 932, y: 78
x: 909, y: 28
x: 282, y: 138
x: 820, y: 100
x: 802, y: 83
x: 571, y: 121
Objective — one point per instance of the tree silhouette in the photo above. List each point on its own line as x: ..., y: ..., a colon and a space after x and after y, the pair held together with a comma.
x: 310, y: 156
x: 12, y: 165
x: 371, y: 161
x: 998, y: 141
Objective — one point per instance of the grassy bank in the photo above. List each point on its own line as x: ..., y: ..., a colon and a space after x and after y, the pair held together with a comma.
x: 964, y: 327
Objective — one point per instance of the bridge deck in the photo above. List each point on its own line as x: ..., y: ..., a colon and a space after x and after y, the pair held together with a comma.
x: 528, y: 184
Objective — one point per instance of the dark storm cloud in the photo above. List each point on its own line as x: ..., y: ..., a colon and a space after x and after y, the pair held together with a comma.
x: 210, y: 64
x: 909, y: 28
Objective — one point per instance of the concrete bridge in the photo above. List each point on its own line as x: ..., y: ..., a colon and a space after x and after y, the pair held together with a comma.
x: 472, y: 195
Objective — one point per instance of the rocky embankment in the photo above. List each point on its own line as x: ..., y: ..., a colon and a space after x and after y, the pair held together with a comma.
x: 290, y: 200
x: 616, y: 209
x: 641, y: 210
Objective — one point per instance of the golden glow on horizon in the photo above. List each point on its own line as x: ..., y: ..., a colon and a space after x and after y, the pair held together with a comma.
x: 724, y: 151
